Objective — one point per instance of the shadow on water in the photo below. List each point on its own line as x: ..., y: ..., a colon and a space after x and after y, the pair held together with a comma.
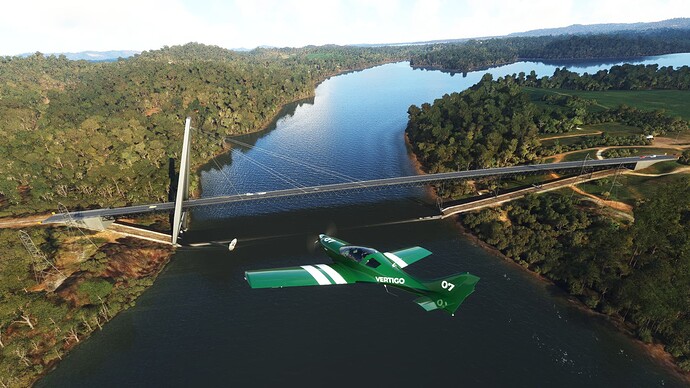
x: 310, y: 221
x: 201, y: 324
x: 172, y: 187
x: 592, y: 62
x: 225, y: 158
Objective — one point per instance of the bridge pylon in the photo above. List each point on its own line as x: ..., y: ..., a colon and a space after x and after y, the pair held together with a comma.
x: 179, y: 216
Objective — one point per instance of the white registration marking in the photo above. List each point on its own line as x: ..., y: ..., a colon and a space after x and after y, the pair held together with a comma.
x: 447, y: 285
x: 396, y: 260
x: 318, y: 276
x: 332, y: 273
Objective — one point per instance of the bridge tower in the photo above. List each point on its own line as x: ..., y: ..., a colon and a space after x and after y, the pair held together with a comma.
x: 179, y: 216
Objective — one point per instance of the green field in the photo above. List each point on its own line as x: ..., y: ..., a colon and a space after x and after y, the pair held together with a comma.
x: 661, y: 168
x: 674, y: 102
x: 619, y: 190
x: 630, y: 188
x: 580, y: 155
x: 640, y: 151
x: 612, y: 129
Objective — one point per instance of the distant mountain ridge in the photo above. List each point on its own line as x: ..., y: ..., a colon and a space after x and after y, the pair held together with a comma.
x: 94, y: 56
x: 575, y: 29
x: 583, y: 29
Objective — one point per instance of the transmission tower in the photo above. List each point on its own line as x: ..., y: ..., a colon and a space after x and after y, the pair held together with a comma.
x: 39, y: 259
x: 71, y: 222
x: 614, y: 184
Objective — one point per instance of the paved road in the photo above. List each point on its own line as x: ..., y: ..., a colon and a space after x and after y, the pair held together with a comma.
x: 375, y: 183
x: 507, y: 197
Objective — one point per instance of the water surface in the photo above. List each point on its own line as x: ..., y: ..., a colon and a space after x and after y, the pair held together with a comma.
x: 200, y: 324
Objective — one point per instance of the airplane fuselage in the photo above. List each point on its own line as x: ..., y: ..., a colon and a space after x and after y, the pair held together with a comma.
x: 387, y: 272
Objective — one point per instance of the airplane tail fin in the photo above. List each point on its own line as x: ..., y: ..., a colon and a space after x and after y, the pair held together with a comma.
x: 447, y: 293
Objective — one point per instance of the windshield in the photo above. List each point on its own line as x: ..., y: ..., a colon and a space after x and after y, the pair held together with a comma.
x: 356, y: 253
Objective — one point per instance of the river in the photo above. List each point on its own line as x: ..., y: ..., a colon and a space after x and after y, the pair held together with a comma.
x: 200, y: 324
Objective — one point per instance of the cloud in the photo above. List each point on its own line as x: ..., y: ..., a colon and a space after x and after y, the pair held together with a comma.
x: 79, y: 25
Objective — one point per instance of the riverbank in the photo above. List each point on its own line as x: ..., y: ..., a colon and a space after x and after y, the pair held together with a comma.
x: 655, y: 350
x: 99, y: 279
x: 46, y: 314
x: 270, y: 123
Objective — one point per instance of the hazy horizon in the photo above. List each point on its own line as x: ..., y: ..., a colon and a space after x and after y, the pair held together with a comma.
x: 73, y: 26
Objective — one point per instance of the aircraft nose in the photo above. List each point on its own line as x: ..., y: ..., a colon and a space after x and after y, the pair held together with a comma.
x: 321, y: 236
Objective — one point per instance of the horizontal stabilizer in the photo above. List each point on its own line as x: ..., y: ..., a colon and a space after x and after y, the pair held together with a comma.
x: 449, y: 293
x: 426, y: 303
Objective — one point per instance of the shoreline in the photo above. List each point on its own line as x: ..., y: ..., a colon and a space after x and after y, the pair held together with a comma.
x: 542, y: 60
x: 267, y: 124
x: 93, y: 289
x: 654, y: 350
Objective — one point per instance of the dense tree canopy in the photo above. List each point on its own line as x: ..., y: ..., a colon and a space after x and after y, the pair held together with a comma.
x: 476, y: 54
x: 88, y: 134
x: 488, y: 125
x: 496, y: 123
x: 620, y: 77
x: 641, y: 272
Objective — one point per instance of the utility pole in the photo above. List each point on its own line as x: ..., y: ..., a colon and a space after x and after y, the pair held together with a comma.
x: 582, y: 173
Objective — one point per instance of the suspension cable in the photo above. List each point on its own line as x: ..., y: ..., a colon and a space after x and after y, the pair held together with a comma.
x: 276, y: 174
x: 296, y: 161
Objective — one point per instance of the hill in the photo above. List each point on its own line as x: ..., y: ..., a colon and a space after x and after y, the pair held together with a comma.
x: 93, y: 56
x: 607, y: 28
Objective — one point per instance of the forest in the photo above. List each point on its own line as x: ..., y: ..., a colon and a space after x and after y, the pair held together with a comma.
x: 619, y: 77
x: 90, y: 134
x: 103, y: 134
x: 87, y: 134
x: 496, y: 123
x: 636, y: 272
x: 639, y: 272
x: 482, y: 53
x: 48, y: 306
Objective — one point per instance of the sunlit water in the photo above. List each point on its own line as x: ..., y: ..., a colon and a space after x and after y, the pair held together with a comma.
x: 200, y: 324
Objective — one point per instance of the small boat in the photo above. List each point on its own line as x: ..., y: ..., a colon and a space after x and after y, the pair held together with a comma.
x: 232, y: 244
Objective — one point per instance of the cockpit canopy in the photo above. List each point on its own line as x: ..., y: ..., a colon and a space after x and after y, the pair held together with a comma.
x: 356, y: 253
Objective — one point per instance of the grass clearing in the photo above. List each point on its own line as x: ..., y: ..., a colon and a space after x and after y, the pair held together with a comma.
x: 661, y: 168
x: 631, y: 188
x: 637, y: 151
x: 566, y: 141
x: 674, y: 102
x: 613, y: 129
x: 575, y: 156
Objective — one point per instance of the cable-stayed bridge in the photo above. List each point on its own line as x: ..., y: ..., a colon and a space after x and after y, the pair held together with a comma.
x: 183, y: 203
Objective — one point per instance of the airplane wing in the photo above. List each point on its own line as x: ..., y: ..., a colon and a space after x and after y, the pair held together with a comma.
x: 306, y: 275
x: 405, y: 257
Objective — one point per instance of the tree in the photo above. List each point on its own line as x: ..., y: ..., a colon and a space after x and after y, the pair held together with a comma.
x: 685, y: 157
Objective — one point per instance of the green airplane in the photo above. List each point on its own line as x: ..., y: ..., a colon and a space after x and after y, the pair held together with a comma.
x: 355, y: 264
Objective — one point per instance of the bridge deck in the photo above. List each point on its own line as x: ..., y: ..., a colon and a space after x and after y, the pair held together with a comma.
x: 375, y: 183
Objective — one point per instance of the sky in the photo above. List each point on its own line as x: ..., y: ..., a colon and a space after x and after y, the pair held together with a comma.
x: 52, y: 26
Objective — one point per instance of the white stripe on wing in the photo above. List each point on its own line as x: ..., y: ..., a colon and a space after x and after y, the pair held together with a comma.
x: 396, y: 260
x: 332, y: 273
x: 318, y: 276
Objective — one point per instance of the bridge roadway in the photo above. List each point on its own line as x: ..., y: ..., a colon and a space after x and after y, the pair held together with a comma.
x: 375, y: 183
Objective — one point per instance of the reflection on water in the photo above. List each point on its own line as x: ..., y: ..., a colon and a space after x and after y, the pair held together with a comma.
x: 201, y: 325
